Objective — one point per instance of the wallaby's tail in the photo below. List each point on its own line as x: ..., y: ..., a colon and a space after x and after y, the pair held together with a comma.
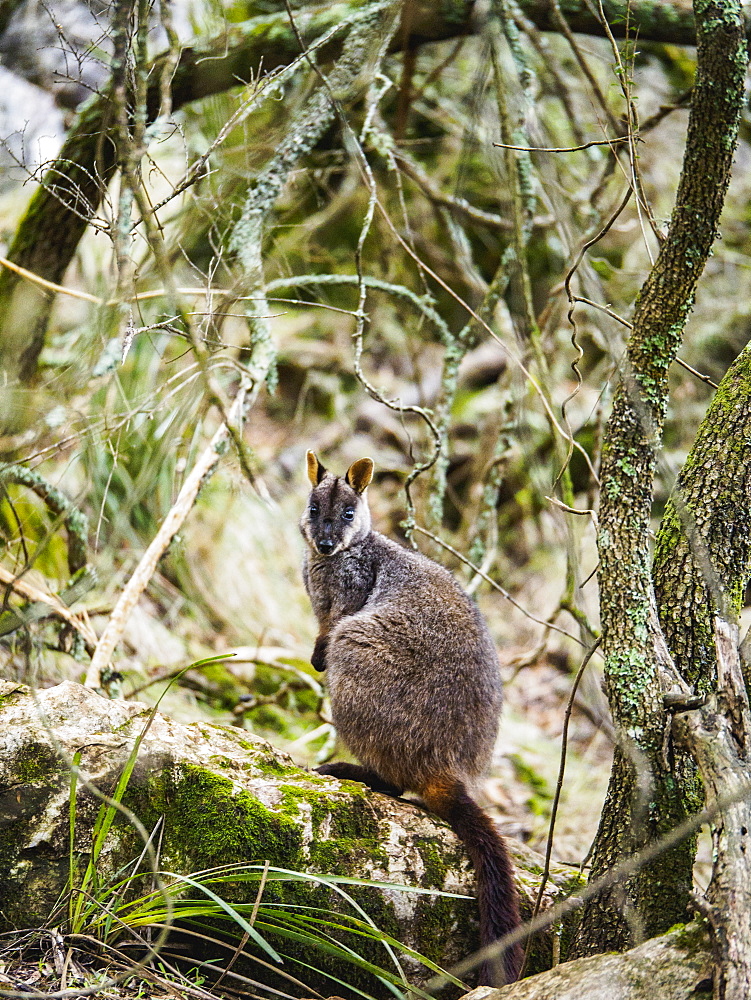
x: 497, y: 897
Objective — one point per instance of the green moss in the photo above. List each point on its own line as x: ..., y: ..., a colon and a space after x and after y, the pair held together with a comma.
x: 243, y: 743
x: 210, y: 821
x: 381, y: 911
x: 692, y: 936
x: 436, y: 864
x: 439, y: 920
x: 12, y: 693
x: 207, y: 821
x: 350, y: 815
x: 30, y: 881
x: 353, y: 837
x: 36, y: 762
x: 269, y: 764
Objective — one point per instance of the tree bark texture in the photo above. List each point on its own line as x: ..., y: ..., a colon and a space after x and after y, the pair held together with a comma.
x: 719, y: 737
x: 61, y: 209
x: 702, y: 559
x: 644, y: 798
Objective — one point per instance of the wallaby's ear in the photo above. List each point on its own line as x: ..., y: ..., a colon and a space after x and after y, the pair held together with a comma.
x: 316, y: 471
x: 359, y: 474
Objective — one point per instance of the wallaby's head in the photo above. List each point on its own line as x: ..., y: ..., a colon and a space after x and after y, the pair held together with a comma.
x: 337, y: 514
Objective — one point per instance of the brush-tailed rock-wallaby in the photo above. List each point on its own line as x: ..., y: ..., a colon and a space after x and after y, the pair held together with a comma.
x: 413, y: 677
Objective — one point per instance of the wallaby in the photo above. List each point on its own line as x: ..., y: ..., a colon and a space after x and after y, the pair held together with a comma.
x: 413, y: 677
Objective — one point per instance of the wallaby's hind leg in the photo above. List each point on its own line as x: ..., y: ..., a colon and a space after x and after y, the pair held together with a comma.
x: 356, y: 772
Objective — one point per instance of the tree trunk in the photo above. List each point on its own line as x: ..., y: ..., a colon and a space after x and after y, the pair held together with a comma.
x: 702, y: 559
x: 644, y: 797
x: 719, y: 737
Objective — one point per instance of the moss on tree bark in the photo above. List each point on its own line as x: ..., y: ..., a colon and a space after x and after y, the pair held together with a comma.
x: 702, y: 559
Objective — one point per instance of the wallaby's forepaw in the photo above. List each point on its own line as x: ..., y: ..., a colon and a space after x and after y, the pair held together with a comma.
x: 356, y: 772
x: 336, y: 770
x: 318, y: 659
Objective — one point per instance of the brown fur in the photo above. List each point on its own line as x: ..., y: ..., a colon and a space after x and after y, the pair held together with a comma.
x: 413, y: 677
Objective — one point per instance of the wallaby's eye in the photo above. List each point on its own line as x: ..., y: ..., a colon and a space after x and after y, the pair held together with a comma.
x: 349, y: 514
x: 313, y: 508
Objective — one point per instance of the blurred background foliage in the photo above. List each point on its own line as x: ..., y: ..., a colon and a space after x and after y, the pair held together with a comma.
x: 454, y: 214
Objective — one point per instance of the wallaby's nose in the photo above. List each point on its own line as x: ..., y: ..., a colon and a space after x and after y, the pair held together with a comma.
x: 325, y: 546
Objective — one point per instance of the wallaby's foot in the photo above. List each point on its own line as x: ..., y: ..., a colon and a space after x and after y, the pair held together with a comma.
x: 356, y: 772
x: 318, y: 659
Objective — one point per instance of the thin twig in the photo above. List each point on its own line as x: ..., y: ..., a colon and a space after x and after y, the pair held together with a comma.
x: 56, y: 606
x: 563, y: 149
x: 260, y: 88
x: 483, y: 323
x: 49, y: 285
x: 388, y: 32
x: 453, y: 202
x: 559, y: 785
x: 496, y: 586
x: 624, y: 322
x: 633, y: 134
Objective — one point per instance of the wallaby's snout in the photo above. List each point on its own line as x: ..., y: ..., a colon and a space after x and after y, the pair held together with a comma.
x: 326, y: 543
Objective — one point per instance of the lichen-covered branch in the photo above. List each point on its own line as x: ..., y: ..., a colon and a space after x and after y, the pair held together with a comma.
x: 644, y: 798
x: 654, y: 20
x: 423, y: 305
x: 348, y: 78
x: 76, y: 522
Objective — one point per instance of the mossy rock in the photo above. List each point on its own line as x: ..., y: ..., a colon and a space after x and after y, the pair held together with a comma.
x: 220, y: 797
